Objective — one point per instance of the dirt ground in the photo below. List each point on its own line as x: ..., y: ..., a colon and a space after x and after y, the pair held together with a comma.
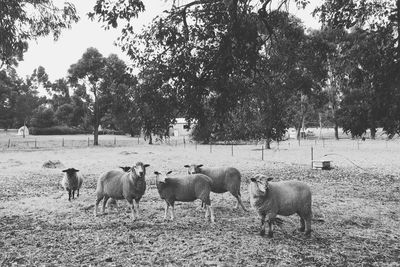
x: 356, y: 208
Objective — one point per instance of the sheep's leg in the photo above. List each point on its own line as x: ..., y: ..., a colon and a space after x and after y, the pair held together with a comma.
x: 69, y: 195
x: 137, y: 207
x: 96, y: 206
x: 211, y: 214
x: 308, y: 226
x: 271, y: 218
x: 166, y: 211
x: 262, y: 231
x: 302, y: 225
x: 73, y: 194
x: 130, y: 201
x: 172, y: 212
x: 77, y: 195
x: 239, y: 202
x: 104, y: 203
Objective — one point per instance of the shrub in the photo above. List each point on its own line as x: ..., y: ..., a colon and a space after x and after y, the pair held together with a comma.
x: 56, y: 130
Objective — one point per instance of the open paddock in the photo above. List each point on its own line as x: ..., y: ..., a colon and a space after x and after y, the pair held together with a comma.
x: 356, y: 207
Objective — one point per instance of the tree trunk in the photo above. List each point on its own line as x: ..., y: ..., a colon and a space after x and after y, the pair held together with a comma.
x: 373, y: 133
x: 96, y: 119
x: 268, y: 143
x: 336, y: 127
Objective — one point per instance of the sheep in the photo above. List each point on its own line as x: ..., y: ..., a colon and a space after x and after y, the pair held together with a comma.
x: 185, y: 189
x: 118, y: 184
x: 112, y: 202
x: 71, y: 182
x: 223, y: 179
x: 280, y: 198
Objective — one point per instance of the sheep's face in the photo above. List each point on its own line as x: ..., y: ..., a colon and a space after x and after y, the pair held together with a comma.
x: 140, y: 169
x: 192, y: 169
x: 70, y: 171
x: 260, y: 182
x: 160, y: 178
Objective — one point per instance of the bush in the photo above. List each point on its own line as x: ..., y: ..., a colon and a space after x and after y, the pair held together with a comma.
x: 107, y: 131
x: 56, y: 130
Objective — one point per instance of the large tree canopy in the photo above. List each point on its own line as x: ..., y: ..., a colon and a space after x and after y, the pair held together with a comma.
x: 25, y: 20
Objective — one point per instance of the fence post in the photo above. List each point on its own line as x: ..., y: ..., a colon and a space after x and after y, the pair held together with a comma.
x: 88, y: 142
x: 115, y: 140
x: 262, y: 152
x: 195, y: 145
x: 138, y: 141
x: 232, y: 150
x: 63, y: 142
x: 312, y: 157
x: 35, y: 143
x: 9, y: 143
x: 210, y: 148
x: 184, y: 142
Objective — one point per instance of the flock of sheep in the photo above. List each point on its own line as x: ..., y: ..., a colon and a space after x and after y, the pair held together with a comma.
x: 268, y: 198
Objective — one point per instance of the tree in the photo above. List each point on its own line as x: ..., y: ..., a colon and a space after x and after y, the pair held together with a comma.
x: 42, y: 117
x: 376, y: 61
x: 89, y: 70
x: 25, y: 20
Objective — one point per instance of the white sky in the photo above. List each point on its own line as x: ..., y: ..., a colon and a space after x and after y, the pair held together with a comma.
x: 57, y: 57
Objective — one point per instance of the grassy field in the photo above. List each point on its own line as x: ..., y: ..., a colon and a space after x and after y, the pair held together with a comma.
x: 356, y: 207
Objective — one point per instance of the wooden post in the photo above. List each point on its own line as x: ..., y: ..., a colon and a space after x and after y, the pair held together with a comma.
x: 195, y: 145
x: 358, y: 144
x: 35, y: 143
x: 9, y: 143
x: 232, y: 150
x: 184, y: 142
x: 62, y: 144
x: 312, y: 157
x: 88, y: 142
x: 115, y: 140
x: 138, y: 141
x: 262, y: 152
x: 210, y: 148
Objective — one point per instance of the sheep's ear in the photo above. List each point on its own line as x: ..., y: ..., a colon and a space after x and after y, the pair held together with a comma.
x: 157, y: 173
x: 146, y: 165
x: 253, y: 179
x: 65, y: 170
x: 269, y: 179
x: 169, y: 172
x: 186, y: 166
x: 199, y: 166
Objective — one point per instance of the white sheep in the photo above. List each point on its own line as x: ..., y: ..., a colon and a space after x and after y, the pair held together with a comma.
x: 113, y: 202
x: 280, y: 198
x: 185, y: 189
x: 118, y: 184
x: 224, y: 179
x: 71, y: 182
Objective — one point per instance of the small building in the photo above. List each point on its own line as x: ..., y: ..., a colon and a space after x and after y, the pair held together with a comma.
x: 23, y: 131
x: 180, y: 128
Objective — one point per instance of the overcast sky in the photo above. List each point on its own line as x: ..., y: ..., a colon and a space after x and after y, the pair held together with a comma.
x: 57, y: 57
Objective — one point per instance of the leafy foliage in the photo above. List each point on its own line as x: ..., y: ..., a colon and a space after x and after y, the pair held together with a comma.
x: 24, y: 20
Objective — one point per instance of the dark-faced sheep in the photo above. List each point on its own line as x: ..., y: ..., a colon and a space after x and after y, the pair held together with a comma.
x: 185, y: 189
x: 118, y: 184
x: 224, y: 179
x: 71, y: 182
x: 280, y: 198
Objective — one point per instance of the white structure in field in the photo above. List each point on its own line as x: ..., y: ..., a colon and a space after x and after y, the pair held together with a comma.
x: 180, y: 128
x: 23, y: 130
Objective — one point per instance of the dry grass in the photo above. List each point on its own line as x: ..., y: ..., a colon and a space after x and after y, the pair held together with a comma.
x: 356, y: 212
